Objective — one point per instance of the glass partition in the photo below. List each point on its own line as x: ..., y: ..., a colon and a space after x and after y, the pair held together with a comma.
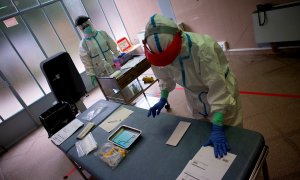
x: 9, y: 104
x: 6, y: 8
x: 42, y: 29
x: 65, y: 31
x: 113, y: 18
x: 25, y: 4
x: 15, y: 71
x: 75, y: 8
x: 28, y: 49
x: 45, y: 1
x: 97, y: 17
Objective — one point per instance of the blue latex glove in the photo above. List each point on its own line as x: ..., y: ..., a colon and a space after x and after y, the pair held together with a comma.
x: 218, y: 140
x: 93, y: 80
x: 121, y: 55
x: 155, y: 110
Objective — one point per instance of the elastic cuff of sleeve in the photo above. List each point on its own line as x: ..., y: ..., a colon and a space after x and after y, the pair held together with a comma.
x: 164, y: 94
x: 218, y: 118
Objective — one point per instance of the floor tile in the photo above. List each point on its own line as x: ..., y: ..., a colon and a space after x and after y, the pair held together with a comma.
x: 282, y: 159
x: 261, y: 124
x: 286, y: 117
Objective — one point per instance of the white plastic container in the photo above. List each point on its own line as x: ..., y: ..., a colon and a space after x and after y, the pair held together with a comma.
x: 109, y: 70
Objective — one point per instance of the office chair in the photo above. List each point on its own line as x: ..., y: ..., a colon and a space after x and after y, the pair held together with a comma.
x: 68, y: 89
x: 63, y: 78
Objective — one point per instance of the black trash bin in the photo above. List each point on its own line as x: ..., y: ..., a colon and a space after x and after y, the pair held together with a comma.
x: 57, y: 117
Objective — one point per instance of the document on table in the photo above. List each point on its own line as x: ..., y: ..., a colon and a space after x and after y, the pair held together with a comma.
x: 204, y: 166
x: 177, y: 134
x: 133, y: 62
x: 66, y: 131
x: 115, y: 119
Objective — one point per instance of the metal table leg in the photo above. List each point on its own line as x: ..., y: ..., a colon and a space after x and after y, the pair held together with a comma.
x: 78, y: 168
x: 261, y: 164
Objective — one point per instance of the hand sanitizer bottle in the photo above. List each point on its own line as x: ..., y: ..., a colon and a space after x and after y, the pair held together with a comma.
x: 109, y: 70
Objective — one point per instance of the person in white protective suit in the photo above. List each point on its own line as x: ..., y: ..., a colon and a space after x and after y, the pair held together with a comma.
x: 94, y: 47
x: 197, y: 63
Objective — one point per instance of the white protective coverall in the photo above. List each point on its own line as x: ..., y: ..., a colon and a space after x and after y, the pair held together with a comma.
x: 202, y: 69
x: 95, y: 48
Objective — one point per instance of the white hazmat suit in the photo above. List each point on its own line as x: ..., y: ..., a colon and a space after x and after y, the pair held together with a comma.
x: 95, y: 48
x: 202, y: 69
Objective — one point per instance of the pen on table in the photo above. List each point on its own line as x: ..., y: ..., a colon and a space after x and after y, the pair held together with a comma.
x: 114, y: 121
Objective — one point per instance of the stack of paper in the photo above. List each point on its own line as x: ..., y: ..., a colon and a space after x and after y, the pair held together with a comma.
x: 204, y: 166
x: 66, y: 131
x: 133, y: 62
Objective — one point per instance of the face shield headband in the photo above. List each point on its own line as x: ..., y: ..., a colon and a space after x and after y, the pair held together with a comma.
x: 170, y: 53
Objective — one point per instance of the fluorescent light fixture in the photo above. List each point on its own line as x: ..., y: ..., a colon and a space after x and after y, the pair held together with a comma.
x: 3, y: 7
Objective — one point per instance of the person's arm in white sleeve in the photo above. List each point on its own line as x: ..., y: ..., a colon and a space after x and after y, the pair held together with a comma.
x: 85, y: 59
x: 219, y: 97
x: 111, y: 43
x: 213, y: 76
x: 87, y: 62
x: 166, y: 81
x: 166, y: 84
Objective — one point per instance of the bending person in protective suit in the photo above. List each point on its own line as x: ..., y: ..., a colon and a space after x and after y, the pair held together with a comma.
x: 197, y: 63
x: 94, y: 47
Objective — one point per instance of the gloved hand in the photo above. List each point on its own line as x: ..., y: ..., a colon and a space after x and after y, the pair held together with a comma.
x: 121, y: 55
x: 155, y: 110
x: 218, y: 140
x: 94, y: 80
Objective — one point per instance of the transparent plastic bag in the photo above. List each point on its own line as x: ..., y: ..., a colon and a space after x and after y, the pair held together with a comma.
x: 93, y: 113
x: 86, y: 145
x: 111, y: 154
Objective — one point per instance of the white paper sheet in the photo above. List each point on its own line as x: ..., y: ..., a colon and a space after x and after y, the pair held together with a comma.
x: 204, y: 166
x: 133, y: 62
x: 66, y: 131
x: 115, y: 119
x: 177, y: 134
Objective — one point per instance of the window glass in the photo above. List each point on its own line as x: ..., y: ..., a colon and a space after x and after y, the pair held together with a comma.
x: 24, y: 4
x: 15, y: 71
x: 75, y: 8
x: 97, y: 17
x: 9, y: 104
x: 6, y: 8
x: 114, y: 19
x: 45, y: 1
x: 65, y: 31
x: 28, y: 49
x: 42, y: 29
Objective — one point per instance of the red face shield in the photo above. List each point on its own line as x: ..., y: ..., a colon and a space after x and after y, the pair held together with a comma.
x: 167, y: 56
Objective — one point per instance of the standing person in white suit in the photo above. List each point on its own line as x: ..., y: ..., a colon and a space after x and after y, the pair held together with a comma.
x: 95, y: 47
x: 199, y: 65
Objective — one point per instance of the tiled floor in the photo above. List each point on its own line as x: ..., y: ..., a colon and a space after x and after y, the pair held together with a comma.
x: 276, y: 117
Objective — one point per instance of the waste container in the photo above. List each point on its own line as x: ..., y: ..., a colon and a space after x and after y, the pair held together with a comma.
x: 56, y: 117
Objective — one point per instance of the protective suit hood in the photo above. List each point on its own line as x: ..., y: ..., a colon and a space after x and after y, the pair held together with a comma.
x: 162, y: 42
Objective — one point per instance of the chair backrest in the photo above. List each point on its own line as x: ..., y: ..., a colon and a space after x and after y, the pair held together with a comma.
x: 63, y: 78
x: 57, y: 117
